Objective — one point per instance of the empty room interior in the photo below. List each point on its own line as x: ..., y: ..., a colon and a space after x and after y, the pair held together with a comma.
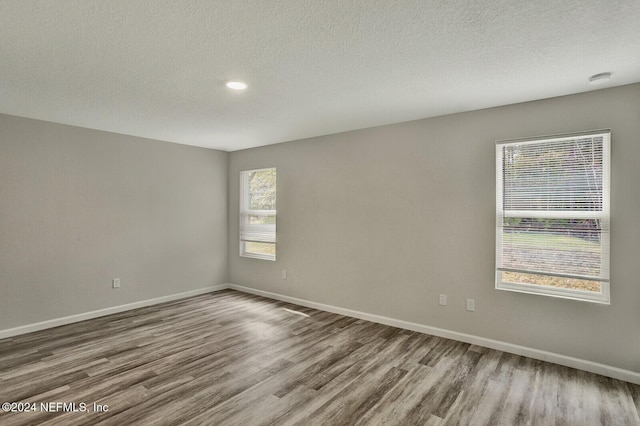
x: 320, y: 212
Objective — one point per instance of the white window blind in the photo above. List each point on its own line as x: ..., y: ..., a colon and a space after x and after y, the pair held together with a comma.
x: 552, y: 233
x: 258, y: 213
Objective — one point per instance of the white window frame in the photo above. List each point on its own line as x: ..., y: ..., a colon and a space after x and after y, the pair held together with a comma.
x: 604, y: 216
x: 251, y: 232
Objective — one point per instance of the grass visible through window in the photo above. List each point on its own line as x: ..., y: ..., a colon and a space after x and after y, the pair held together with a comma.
x: 538, y: 251
x: 550, y: 241
x: 261, y: 248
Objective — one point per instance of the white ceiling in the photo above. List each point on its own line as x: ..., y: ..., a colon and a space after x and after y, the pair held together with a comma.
x: 157, y: 68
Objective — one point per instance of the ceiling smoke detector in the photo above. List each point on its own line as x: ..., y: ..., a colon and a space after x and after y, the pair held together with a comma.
x: 601, y: 78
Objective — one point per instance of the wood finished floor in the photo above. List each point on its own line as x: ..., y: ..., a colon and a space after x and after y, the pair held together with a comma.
x: 230, y: 358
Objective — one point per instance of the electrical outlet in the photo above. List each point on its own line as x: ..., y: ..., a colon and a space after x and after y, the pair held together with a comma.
x: 115, y: 283
x: 284, y: 274
x: 443, y: 300
x: 471, y: 305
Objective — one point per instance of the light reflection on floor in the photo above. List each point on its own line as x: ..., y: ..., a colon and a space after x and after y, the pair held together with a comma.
x: 296, y: 312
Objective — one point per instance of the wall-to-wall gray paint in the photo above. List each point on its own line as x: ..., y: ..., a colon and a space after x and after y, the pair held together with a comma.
x: 382, y: 220
x: 79, y: 207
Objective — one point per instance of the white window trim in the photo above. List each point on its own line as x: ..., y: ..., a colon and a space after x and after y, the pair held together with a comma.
x: 256, y: 229
x: 604, y: 297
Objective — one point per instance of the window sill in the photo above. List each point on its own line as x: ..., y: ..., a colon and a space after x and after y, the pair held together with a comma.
x: 602, y: 298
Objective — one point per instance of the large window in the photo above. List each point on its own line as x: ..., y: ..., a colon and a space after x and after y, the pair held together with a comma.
x: 258, y: 213
x: 552, y: 233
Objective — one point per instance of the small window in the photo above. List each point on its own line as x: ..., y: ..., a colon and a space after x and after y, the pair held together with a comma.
x: 258, y: 213
x: 552, y: 233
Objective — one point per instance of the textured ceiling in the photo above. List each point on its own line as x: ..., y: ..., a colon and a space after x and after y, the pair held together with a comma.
x: 156, y: 68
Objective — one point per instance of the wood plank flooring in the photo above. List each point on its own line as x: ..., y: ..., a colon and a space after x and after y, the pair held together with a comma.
x: 229, y: 358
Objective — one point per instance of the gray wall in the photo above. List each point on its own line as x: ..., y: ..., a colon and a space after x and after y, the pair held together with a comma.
x: 79, y: 207
x: 382, y: 220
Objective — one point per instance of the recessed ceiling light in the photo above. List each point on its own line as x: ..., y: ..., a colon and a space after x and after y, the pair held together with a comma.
x: 603, y: 77
x: 236, y: 85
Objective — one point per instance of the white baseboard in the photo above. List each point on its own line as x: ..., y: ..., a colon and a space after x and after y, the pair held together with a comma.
x: 581, y: 364
x: 29, y: 328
